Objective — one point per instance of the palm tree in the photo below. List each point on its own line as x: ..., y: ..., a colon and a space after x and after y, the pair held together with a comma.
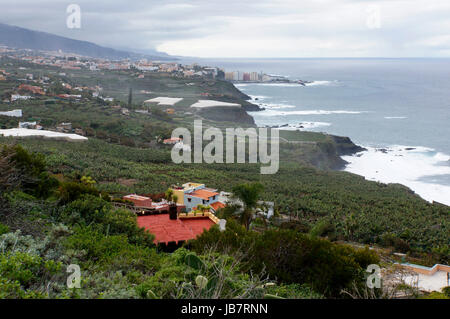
x: 248, y: 194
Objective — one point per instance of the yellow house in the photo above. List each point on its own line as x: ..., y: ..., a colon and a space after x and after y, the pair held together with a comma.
x: 185, y: 188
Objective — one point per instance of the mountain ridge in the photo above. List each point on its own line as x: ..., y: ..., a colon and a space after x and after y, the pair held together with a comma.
x: 22, y: 38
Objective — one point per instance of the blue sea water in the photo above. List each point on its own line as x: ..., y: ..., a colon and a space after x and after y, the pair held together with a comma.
x: 400, y: 105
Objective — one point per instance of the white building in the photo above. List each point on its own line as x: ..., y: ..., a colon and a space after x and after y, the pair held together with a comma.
x: 13, y: 113
x: 15, y: 97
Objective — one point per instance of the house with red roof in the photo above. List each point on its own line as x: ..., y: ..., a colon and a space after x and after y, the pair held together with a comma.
x: 173, y: 229
x: 32, y: 89
x: 170, y: 222
x: 172, y: 140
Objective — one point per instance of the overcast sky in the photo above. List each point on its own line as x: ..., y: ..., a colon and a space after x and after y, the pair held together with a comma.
x: 252, y: 28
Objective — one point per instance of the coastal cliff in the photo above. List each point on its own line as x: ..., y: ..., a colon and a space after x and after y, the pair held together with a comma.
x: 345, y: 146
x: 320, y: 150
x: 227, y: 114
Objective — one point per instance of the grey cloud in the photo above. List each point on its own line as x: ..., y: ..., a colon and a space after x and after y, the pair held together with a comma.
x: 146, y: 24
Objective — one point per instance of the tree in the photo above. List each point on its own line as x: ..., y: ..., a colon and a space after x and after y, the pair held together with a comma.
x: 171, y: 198
x: 130, y: 97
x: 169, y: 194
x: 248, y: 194
x: 8, y: 174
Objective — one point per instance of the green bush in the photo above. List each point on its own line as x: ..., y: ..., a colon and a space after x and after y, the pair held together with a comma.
x: 111, y: 251
x: 31, y: 167
x: 446, y: 291
x: 399, y: 244
x: 292, y: 291
x: 90, y: 209
x: 26, y: 269
x: 70, y: 191
x: 292, y: 257
x: 3, y: 229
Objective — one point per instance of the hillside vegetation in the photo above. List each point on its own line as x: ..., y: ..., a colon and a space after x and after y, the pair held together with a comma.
x: 55, y: 201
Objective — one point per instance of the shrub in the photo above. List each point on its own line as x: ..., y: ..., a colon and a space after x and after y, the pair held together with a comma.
x: 323, y: 228
x: 112, y: 251
x: 91, y: 209
x: 70, y: 191
x: 292, y: 257
x: 3, y: 229
x: 296, y: 225
x: 391, y: 240
x: 446, y: 291
x: 31, y: 167
x: 26, y: 269
x: 292, y: 291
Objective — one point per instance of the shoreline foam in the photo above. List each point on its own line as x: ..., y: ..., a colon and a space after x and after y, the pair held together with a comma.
x: 405, y: 165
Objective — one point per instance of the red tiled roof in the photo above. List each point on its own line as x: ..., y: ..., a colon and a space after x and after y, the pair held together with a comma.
x: 33, y: 89
x: 172, y: 140
x: 167, y: 230
x: 217, y: 205
x: 203, y: 194
x: 140, y: 201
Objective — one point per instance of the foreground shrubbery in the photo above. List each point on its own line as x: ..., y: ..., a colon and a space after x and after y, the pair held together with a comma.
x: 70, y: 222
x: 292, y: 257
x: 340, y: 205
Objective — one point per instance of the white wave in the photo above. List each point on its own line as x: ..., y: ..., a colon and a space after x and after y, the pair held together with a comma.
x: 291, y: 85
x: 303, y: 126
x: 395, y: 117
x: 276, y: 106
x: 310, y: 125
x: 405, y: 165
x: 320, y: 83
x: 307, y: 112
x: 259, y: 97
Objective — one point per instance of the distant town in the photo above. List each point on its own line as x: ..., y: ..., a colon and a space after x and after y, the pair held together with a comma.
x: 67, y: 61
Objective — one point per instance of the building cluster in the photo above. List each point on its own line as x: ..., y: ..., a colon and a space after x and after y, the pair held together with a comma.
x: 39, y: 86
x: 75, y: 62
x: 3, y: 75
x: 238, y: 76
x: 177, y: 69
x: 143, y: 66
x: 64, y: 127
x: 192, y: 210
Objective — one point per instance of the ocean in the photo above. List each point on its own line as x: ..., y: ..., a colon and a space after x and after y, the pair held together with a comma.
x: 399, y: 109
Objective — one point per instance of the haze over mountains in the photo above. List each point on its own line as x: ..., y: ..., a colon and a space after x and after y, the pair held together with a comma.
x: 22, y: 38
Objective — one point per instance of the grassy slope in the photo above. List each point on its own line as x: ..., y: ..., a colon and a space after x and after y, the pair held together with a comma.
x: 311, y: 194
x: 361, y: 210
